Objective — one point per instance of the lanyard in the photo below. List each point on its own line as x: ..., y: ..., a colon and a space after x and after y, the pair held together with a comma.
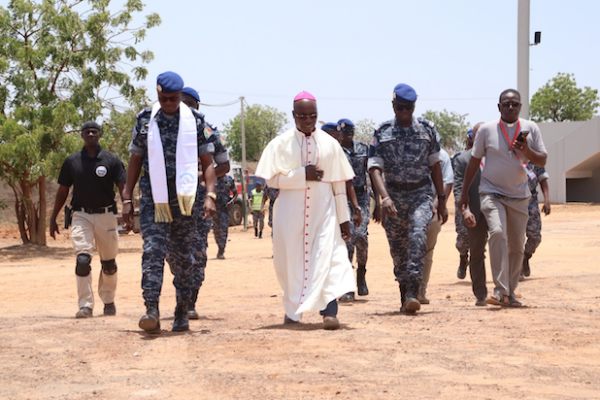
x: 510, y: 142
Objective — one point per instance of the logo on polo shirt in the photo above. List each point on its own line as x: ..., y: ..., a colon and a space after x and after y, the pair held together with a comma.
x: 101, y: 171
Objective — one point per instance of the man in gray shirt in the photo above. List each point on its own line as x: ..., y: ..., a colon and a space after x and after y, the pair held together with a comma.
x: 507, y: 145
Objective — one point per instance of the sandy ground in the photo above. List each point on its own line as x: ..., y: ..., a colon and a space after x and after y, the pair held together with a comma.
x: 240, y: 349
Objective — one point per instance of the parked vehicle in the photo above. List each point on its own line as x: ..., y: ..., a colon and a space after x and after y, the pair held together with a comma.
x: 236, y: 210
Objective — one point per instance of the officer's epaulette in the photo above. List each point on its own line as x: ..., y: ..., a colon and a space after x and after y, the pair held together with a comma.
x: 384, y: 125
x: 144, y: 111
x: 426, y: 122
x: 197, y: 113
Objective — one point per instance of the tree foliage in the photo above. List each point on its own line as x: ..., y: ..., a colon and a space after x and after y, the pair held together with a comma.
x: 363, y: 130
x: 561, y: 100
x: 61, y: 63
x: 261, y: 125
x: 451, y: 127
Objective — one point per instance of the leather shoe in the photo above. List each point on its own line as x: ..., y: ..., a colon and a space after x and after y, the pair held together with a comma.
x: 110, y: 309
x: 462, y: 267
x: 84, y: 312
x: 330, y: 323
x: 481, y: 303
x: 193, y: 314
x: 288, y: 321
x: 347, y: 298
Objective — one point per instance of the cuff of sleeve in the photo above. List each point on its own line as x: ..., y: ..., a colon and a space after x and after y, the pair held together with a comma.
x: 434, y: 158
x: 375, y: 162
x: 135, y: 150
x: 205, y: 149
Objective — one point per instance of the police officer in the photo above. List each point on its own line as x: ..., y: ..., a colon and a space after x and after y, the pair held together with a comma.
x: 93, y: 172
x: 357, y: 153
x: 406, y: 150
x: 534, y: 223
x: 462, y: 236
x: 258, y: 214
x: 221, y: 159
x: 225, y: 187
x: 270, y: 194
x: 168, y: 228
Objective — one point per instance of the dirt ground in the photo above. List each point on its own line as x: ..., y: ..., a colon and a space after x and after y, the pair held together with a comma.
x: 240, y: 349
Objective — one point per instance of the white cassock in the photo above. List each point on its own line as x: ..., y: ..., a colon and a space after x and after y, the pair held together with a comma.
x: 310, y: 256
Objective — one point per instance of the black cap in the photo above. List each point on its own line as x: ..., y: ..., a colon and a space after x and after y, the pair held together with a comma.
x: 90, y: 125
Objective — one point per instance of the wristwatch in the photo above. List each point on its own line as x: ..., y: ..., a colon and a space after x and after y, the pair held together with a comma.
x: 442, y: 196
x: 212, y: 195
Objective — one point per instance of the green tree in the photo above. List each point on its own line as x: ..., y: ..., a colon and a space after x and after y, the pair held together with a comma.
x: 61, y: 62
x: 451, y: 127
x: 363, y: 130
x: 561, y: 100
x: 261, y: 125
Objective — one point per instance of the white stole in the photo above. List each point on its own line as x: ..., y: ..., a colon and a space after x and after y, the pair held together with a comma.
x: 186, y: 165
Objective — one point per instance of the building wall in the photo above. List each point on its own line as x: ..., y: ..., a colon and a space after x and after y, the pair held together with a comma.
x: 586, y: 190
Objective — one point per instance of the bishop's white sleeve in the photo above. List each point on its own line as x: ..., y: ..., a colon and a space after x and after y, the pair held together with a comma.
x: 341, y: 201
x: 296, y: 179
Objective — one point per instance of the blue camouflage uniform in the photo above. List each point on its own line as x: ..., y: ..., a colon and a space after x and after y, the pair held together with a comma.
x: 171, y: 241
x: 462, y: 237
x: 534, y: 224
x: 271, y: 194
x: 220, y: 156
x: 358, y: 156
x: 405, y: 155
x: 225, y: 185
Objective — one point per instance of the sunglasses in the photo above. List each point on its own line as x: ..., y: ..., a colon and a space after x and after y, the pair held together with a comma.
x: 403, y: 107
x: 510, y: 104
x: 304, y: 117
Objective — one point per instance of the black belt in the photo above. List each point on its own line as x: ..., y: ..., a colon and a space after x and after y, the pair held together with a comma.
x: 101, y: 210
x: 360, y: 189
x: 408, y: 186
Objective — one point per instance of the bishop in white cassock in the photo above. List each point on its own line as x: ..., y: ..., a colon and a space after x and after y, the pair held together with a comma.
x: 311, y: 218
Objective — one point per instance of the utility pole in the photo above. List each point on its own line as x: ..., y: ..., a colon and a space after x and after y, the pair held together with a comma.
x: 244, y: 188
x: 523, y: 56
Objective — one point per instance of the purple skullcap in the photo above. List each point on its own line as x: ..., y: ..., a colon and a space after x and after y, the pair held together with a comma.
x: 304, y: 95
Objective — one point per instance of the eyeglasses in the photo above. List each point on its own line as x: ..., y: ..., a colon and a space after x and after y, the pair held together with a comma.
x: 403, y: 107
x: 304, y: 117
x: 509, y: 104
x: 169, y: 99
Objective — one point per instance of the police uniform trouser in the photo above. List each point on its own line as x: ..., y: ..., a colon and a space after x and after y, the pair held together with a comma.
x: 220, y: 226
x: 360, y: 236
x: 534, y: 226
x: 101, y: 229
x: 507, y: 219
x: 407, y: 233
x: 200, y: 241
x: 258, y: 220
x: 462, y: 237
x: 173, y: 242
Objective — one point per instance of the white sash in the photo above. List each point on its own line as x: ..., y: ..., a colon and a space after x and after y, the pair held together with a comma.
x: 186, y: 165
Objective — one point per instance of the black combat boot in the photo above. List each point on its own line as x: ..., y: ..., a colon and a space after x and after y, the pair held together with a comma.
x: 191, y: 313
x: 347, y: 298
x: 526, y: 271
x: 221, y: 254
x: 260, y: 235
x: 151, y: 321
x: 361, y: 282
x: 255, y: 232
x: 411, y: 303
x: 462, y: 267
x: 181, y: 322
x: 402, y: 296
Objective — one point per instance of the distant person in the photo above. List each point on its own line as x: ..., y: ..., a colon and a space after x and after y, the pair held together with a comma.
x: 406, y: 150
x: 271, y: 195
x: 435, y: 225
x: 462, y: 237
x: 191, y: 98
x: 167, y: 141
x: 226, y: 196
x: 475, y: 223
x: 93, y: 172
x: 258, y: 215
x: 507, y: 144
x: 310, y: 170
x: 335, y: 131
x: 534, y: 223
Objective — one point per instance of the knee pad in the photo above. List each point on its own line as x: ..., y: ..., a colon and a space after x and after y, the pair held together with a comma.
x: 109, y: 267
x: 83, y: 267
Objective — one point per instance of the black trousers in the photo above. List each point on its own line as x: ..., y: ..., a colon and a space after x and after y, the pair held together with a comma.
x: 478, y: 237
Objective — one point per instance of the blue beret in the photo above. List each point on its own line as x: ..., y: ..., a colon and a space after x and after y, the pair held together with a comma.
x: 470, y: 133
x: 169, y: 82
x: 404, y: 93
x: 330, y: 126
x: 191, y: 92
x: 346, y: 124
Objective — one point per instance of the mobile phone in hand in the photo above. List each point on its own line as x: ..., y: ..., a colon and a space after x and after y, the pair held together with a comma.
x: 522, y: 136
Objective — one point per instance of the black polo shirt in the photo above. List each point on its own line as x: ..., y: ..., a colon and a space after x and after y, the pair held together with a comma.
x: 93, y: 178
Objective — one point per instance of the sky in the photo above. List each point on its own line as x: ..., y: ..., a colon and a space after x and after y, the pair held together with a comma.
x: 458, y: 55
